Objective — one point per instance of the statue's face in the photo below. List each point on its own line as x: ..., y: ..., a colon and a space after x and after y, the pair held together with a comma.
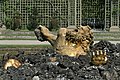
x: 79, y: 36
x: 78, y: 41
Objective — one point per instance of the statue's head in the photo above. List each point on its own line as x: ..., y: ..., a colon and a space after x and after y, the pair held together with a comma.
x: 79, y: 40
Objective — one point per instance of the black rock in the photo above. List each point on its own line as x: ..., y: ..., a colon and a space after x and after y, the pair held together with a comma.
x: 105, y: 45
x: 39, y: 66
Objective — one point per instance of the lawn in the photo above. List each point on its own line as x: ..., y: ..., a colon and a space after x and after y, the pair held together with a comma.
x: 13, y: 49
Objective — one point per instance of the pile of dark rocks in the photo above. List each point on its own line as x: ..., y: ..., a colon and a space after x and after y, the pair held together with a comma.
x: 46, y: 64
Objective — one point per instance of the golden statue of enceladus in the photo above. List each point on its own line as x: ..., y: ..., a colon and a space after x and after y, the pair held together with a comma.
x: 71, y: 42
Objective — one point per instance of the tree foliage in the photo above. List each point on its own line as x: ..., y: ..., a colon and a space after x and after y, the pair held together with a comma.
x: 16, y: 21
x: 33, y: 20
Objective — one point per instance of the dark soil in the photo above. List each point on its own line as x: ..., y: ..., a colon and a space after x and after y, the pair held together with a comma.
x: 46, y: 64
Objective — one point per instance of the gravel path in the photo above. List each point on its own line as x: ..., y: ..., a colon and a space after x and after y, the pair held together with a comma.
x: 32, y: 42
x: 22, y: 42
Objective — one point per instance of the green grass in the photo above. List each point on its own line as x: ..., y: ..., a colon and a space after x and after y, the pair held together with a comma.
x: 24, y: 46
x: 3, y: 48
